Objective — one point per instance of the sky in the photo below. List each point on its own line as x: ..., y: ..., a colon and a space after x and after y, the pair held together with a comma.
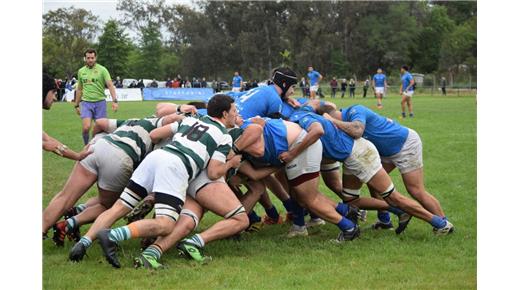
x: 104, y: 9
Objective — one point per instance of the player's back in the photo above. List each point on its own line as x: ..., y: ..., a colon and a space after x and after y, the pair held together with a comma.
x: 260, y: 101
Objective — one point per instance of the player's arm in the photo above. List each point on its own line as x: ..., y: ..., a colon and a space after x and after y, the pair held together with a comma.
x: 251, y: 141
x: 355, y: 128
x: 112, y: 91
x: 163, y: 109
x: 256, y: 174
x: 217, y: 168
x: 165, y: 131
x: 77, y: 96
x: 52, y: 145
x: 314, y: 132
x: 412, y: 82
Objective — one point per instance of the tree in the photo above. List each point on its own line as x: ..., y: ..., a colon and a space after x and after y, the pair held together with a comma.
x: 67, y: 33
x: 114, y: 49
x: 151, y: 52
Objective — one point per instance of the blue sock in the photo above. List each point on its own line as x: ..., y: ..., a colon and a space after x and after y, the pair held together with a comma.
x: 396, y: 211
x: 383, y: 216
x: 438, y: 222
x: 120, y: 234
x: 345, y: 224
x: 342, y: 208
x: 85, y: 138
x: 253, y: 217
x: 153, y: 251
x: 272, y: 213
x: 298, y: 215
x: 289, y: 205
x: 86, y: 242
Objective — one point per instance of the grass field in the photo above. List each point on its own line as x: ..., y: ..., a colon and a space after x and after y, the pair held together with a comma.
x: 267, y: 260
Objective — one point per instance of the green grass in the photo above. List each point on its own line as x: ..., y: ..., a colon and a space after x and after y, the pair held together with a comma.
x: 266, y: 260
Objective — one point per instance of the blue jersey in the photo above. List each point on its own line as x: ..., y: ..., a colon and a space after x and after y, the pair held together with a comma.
x: 337, y: 145
x: 236, y: 81
x: 314, y: 77
x: 275, y: 140
x: 288, y: 110
x: 388, y: 136
x: 406, y: 78
x: 202, y: 112
x: 379, y: 80
x: 260, y: 101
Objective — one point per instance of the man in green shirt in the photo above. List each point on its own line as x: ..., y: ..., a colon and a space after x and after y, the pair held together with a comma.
x: 92, y: 79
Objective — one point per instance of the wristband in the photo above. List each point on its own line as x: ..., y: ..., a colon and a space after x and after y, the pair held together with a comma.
x: 115, y: 101
x: 76, y: 106
x: 235, y: 149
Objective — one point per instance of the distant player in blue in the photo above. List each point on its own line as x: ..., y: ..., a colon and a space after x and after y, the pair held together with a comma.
x: 397, y: 145
x: 314, y: 81
x: 406, y: 91
x: 379, y: 84
x: 266, y: 101
x: 361, y: 159
x: 237, y: 83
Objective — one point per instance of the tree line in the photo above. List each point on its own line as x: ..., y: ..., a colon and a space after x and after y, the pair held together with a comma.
x: 214, y: 39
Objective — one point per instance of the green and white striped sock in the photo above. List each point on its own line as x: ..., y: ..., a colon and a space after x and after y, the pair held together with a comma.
x: 119, y: 234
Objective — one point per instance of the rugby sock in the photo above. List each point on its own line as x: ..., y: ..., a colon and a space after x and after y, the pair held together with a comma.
x: 272, y: 213
x: 342, y: 208
x: 153, y: 251
x: 288, y: 204
x: 71, y: 224
x: 80, y: 207
x: 86, y: 242
x: 298, y: 215
x: 120, y: 234
x: 395, y: 210
x: 253, y: 217
x: 85, y: 138
x: 345, y: 224
x: 383, y: 216
x: 438, y: 222
x: 196, y: 240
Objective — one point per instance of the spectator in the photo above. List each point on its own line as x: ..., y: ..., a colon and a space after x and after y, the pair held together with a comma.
x: 352, y: 88
x: 133, y: 85
x: 176, y: 83
x: 365, y: 87
x: 303, y: 87
x: 443, y: 86
x: 254, y: 84
x: 154, y: 84
x: 118, y: 83
x: 333, y: 87
x: 169, y: 83
x: 214, y: 85
x: 187, y: 83
x: 140, y: 84
x: 203, y: 84
x: 181, y: 82
x: 343, y: 87
x: 196, y: 83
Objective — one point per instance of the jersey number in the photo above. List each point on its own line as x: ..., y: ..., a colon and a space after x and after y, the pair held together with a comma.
x: 195, y: 132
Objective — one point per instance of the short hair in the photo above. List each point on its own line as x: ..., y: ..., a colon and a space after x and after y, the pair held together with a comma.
x: 198, y: 104
x: 405, y: 67
x: 48, y: 84
x: 219, y: 104
x: 90, y: 50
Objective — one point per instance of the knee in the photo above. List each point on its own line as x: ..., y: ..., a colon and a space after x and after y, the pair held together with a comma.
x: 242, y: 222
x: 165, y: 225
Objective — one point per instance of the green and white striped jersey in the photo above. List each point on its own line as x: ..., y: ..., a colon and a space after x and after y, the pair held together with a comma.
x: 197, y: 140
x: 133, y: 136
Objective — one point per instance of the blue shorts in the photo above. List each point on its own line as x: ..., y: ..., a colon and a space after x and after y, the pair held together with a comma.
x: 94, y: 110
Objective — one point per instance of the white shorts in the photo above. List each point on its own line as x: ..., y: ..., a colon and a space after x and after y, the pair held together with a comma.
x: 236, y: 89
x: 314, y: 88
x: 408, y: 93
x: 162, y: 172
x: 308, y: 161
x: 111, y: 164
x: 201, y: 181
x: 380, y: 90
x: 326, y: 167
x: 364, y: 161
x: 410, y: 156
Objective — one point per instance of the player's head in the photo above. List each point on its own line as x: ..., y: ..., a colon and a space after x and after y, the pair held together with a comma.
x: 90, y: 57
x: 379, y: 70
x: 285, y: 79
x: 222, y: 107
x: 310, y: 68
x: 404, y: 68
x: 49, y: 89
x: 236, y: 73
